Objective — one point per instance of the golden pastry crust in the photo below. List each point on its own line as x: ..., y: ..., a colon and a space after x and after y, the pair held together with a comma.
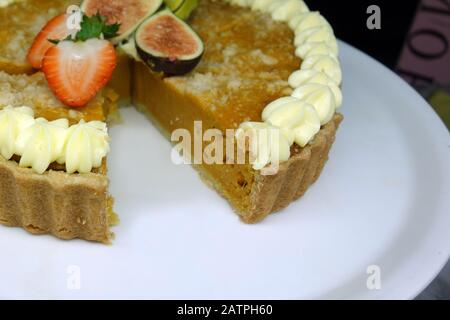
x: 273, y: 193
x: 65, y: 205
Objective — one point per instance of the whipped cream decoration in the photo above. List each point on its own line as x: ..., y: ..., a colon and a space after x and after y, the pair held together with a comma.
x: 315, y: 48
x: 12, y: 122
x: 285, y: 10
x: 261, y: 5
x: 326, y: 64
x: 320, y: 97
x: 86, y: 146
x: 267, y: 144
x: 304, y: 77
x: 317, y: 93
x: 39, y: 142
x: 314, y: 35
x: 298, y: 120
x: 284, y: 113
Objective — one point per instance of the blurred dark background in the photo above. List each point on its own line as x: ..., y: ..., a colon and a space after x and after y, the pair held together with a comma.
x: 348, y: 19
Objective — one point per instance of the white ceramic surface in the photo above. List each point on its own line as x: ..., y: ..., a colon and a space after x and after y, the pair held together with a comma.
x: 383, y: 199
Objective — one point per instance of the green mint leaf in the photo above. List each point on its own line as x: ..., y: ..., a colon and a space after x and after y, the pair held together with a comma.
x: 96, y: 26
x: 91, y: 27
x: 111, y: 31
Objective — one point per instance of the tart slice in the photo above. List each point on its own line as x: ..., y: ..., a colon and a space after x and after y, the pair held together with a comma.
x: 66, y: 205
x: 52, y: 156
x: 249, y: 69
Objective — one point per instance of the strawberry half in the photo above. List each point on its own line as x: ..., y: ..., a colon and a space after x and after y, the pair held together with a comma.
x: 80, y: 65
x: 55, y: 29
x: 76, y: 71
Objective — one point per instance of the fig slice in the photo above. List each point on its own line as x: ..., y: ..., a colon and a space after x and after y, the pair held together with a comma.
x: 129, y: 13
x: 167, y: 44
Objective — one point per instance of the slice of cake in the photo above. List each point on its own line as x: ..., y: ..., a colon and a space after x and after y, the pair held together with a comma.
x: 66, y: 205
x: 248, y: 60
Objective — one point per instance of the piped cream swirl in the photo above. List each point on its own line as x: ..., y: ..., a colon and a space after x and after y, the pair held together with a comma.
x: 320, y: 97
x: 297, y: 119
x: 12, y: 122
x: 266, y: 143
x: 39, y: 142
x: 317, y: 93
x: 87, y: 144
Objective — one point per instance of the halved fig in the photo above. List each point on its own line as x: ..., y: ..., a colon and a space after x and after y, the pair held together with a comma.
x: 167, y: 44
x: 129, y: 13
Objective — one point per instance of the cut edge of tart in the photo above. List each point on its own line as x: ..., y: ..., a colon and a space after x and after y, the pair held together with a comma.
x: 76, y: 205
x: 252, y: 194
x: 53, y: 157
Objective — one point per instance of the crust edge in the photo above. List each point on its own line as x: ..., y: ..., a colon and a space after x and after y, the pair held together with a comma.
x: 274, y: 193
x: 64, y: 205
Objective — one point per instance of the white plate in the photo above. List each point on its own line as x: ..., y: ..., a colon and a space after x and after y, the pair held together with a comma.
x: 383, y: 199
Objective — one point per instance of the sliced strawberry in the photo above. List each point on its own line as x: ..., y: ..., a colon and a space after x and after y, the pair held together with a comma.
x: 55, y: 29
x: 76, y: 71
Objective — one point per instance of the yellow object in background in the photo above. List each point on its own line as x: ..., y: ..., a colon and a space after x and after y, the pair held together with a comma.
x: 440, y: 100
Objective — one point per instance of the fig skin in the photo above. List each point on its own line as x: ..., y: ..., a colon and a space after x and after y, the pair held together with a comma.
x: 163, y: 60
x: 109, y: 10
x: 168, y: 66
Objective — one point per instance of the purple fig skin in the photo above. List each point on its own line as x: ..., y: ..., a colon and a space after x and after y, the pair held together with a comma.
x: 168, y: 66
x: 166, y: 60
x: 115, y: 11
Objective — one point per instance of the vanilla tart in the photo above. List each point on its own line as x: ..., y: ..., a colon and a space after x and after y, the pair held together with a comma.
x: 263, y: 60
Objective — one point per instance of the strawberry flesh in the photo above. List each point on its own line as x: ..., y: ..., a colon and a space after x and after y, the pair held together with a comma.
x: 77, y: 71
x: 55, y: 29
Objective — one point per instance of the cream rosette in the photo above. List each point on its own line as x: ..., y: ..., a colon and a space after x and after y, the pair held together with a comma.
x: 317, y: 93
x: 39, y: 142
